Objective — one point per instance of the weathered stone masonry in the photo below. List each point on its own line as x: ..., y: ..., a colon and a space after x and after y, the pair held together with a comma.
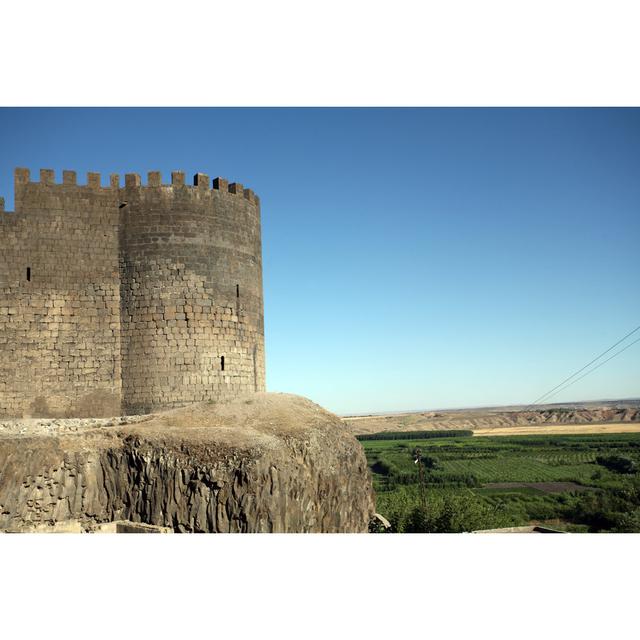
x: 128, y: 299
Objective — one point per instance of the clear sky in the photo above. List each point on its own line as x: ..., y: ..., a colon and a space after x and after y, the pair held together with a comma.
x: 413, y: 258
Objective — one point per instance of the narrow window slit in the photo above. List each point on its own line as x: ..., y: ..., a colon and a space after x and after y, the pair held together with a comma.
x: 237, y: 291
x: 28, y: 274
x: 222, y: 363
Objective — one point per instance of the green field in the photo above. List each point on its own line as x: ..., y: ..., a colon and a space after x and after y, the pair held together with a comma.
x: 588, y: 482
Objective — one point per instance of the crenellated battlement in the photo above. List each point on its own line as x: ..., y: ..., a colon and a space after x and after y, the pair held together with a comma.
x: 201, y: 182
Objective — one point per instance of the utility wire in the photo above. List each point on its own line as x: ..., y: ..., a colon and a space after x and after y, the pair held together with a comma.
x: 594, y: 368
x: 573, y: 375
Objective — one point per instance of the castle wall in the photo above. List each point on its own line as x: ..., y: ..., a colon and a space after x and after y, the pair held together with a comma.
x: 191, y: 278
x: 132, y: 298
x: 59, y: 299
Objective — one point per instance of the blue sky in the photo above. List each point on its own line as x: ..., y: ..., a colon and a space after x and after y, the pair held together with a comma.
x: 413, y: 258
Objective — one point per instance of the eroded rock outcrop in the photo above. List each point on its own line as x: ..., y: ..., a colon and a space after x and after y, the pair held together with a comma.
x: 266, y: 463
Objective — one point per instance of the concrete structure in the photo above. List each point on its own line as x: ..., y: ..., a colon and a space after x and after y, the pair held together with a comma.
x: 126, y: 299
x: 126, y: 526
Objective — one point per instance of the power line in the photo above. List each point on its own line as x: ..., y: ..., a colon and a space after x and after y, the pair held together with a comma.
x: 573, y: 375
x: 594, y: 368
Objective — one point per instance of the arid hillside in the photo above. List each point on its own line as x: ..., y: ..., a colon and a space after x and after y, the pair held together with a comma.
x: 502, y: 420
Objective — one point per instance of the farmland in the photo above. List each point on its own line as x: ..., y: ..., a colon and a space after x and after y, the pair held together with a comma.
x: 587, y: 482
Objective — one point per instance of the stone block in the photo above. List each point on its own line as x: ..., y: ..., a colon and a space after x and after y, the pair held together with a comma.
x: 154, y: 179
x: 201, y: 180
x: 177, y: 178
x: 47, y: 176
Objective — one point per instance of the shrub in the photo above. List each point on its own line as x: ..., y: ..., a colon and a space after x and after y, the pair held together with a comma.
x: 444, y: 512
x: 415, y: 435
x: 619, y: 464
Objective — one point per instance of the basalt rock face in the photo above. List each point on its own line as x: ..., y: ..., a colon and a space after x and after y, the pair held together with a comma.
x: 266, y: 463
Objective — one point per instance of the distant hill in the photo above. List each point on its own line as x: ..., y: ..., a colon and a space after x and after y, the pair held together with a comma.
x: 489, y: 418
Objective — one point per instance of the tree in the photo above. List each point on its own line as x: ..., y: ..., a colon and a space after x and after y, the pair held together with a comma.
x: 619, y: 464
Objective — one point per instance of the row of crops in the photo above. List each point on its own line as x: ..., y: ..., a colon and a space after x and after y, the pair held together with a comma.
x: 466, y: 467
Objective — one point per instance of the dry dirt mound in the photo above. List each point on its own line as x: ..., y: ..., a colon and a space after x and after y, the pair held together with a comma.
x: 268, y: 462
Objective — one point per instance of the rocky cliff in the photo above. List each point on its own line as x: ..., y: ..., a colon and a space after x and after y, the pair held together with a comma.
x: 266, y: 463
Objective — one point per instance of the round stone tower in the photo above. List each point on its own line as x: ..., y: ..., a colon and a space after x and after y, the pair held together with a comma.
x: 191, y: 306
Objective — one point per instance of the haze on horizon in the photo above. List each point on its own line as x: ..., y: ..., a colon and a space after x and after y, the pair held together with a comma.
x: 413, y: 258
x: 490, y: 406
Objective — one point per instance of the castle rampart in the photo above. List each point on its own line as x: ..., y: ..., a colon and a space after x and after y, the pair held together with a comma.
x: 125, y: 299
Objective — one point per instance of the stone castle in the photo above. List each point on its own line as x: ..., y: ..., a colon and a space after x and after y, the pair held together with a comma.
x: 122, y: 300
